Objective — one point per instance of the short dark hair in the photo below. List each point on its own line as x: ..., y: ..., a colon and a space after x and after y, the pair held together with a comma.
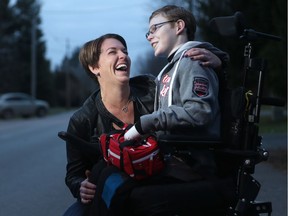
x: 173, y: 12
x: 90, y: 52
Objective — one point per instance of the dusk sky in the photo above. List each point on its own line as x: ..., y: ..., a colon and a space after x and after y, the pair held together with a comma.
x: 70, y: 23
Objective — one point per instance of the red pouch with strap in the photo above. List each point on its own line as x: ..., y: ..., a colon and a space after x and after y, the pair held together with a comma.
x: 139, y: 159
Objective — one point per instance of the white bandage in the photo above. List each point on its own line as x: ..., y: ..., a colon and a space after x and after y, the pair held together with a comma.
x: 132, y: 134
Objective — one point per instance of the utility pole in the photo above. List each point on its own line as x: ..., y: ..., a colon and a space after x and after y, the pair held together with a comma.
x: 67, y: 76
x: 33, y: 58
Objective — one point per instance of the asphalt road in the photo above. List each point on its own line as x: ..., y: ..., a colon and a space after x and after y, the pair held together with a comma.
x: 273, y: 181
x: 33, y: 160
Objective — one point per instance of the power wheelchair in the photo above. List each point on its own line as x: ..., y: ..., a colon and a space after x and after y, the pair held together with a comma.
x: 240, y: 148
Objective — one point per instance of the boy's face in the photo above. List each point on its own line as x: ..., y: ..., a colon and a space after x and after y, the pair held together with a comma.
x: 162, y: 35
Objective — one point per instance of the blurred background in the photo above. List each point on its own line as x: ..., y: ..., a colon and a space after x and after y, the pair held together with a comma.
x: 40, y: 41
x: 39, y: 46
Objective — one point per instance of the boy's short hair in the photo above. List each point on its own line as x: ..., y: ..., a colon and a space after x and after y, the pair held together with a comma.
x: 173, y: 12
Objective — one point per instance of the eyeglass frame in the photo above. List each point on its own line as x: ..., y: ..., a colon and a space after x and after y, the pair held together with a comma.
x: 157, y: 26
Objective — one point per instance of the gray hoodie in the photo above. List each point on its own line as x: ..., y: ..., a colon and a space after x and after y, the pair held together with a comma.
x: 186, y: 97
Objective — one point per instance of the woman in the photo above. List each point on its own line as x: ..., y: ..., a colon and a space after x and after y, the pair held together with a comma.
x: 118, y: 100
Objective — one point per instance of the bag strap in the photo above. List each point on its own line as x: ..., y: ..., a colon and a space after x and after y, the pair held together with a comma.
x: 127, y: 143
x: 135, y: 142
x: 121, y: 133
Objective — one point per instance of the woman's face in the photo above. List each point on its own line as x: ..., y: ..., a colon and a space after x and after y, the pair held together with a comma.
x: 114, y: 62
x: 163, y: 38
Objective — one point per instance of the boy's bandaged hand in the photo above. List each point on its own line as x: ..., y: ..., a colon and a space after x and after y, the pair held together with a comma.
x: 134, y: 132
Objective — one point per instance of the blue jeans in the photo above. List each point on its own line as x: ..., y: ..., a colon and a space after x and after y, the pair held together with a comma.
x: 76, y: 209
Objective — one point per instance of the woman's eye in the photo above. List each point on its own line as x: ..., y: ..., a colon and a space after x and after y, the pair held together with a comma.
x: 112, y: 52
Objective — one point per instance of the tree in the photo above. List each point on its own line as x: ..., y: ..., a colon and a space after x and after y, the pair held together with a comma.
x: 271, y: 18
x: 16, y: 43
x: 149, y: 64
x: 7, y: 39
x: 72, y: 83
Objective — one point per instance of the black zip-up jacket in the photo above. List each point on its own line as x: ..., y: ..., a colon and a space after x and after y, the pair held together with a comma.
x: 93, y: 119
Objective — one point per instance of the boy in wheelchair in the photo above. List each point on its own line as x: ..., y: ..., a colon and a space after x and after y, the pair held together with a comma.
x: 207, y: 178
x: 187, y: 103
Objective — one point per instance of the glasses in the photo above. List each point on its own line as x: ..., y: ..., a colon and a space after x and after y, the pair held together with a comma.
x: 155, y: 27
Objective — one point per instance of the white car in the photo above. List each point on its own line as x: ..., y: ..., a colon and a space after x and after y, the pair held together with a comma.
x: 21, y: 104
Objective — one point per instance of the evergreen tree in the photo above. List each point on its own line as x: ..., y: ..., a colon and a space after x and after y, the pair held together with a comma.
x: 263, y: 16
x: 16, y: 42
x: 70, y: 77
x: 8, y: 50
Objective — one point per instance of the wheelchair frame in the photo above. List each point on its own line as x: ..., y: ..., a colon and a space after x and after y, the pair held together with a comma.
x: 249, y: 150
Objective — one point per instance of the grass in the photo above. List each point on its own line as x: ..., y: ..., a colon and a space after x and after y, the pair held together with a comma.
x: 273, y: 124
x: 268, y: 124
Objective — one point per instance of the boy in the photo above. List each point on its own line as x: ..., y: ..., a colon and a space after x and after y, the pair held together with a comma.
x: 187, y: 93
x: 186, y: 104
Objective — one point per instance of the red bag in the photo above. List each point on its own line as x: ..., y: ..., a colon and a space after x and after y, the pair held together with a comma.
x: 139, y: 159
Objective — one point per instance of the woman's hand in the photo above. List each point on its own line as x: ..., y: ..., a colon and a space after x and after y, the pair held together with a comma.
x: 205, y: 57
x: 87, y: 190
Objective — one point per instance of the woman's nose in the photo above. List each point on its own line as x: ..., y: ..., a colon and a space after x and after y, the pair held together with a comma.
x: 123, y: 54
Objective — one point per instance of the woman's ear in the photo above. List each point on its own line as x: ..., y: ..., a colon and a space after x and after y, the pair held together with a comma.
x: 94, y: 70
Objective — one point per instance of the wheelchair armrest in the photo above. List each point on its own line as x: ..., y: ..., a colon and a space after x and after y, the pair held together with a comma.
x: 79, y: 142
x: 258, y: 155
x: 180, y: 142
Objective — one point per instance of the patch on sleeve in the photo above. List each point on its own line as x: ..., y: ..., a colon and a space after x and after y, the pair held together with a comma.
x: 200, y: 86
